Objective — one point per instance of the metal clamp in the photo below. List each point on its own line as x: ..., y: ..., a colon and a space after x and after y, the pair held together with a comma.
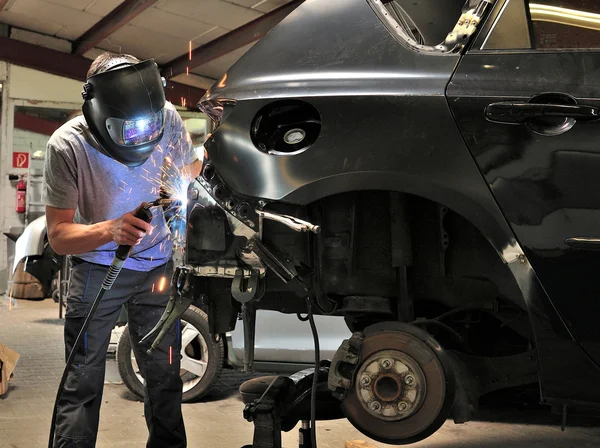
x: 292, y: 222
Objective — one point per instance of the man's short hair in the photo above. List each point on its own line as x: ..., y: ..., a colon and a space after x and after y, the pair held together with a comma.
x: 107, y: 60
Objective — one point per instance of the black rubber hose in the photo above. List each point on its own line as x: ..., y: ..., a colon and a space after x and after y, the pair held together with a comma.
x: 70, y: 359
x: 109, y: 279
x: 315, y: 384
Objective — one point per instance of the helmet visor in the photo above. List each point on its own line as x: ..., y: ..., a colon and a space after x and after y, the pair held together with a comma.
x: 135, y: 132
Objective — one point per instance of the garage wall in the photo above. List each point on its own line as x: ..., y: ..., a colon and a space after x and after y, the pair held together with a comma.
x: 32, y: 88
x: 29, y: 84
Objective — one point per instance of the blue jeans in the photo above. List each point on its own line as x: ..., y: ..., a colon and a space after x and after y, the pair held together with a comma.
x: 79, y: 406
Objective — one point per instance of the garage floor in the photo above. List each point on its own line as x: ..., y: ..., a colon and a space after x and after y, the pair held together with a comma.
x: 35, y: 332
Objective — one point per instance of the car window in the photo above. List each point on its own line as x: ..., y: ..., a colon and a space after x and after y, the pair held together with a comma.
x: 546, y: 25
x: 428, y: 22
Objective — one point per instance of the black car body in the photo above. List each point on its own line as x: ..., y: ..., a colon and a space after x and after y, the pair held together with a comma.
x: 454, y: 185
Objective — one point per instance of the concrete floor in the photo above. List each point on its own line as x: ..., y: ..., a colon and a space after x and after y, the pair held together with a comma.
x: 34, y: 330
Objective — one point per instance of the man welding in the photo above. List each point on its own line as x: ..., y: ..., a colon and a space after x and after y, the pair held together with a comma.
x: 99, y: 168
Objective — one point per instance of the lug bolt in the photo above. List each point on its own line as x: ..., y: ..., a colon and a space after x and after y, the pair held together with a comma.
x: 386, y: 363
x: 375, y: 406
x: 409, y: 380
x: 365, y: 380
x: 402, y: 406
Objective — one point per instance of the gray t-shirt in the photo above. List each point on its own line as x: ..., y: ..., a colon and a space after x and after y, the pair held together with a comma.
x: 78, y: 176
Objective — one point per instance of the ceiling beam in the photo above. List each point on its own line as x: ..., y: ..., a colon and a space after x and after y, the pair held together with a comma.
x: 75, y: 67
x: 106, y: 26
x: 34, y: 124
x: 244, y: 35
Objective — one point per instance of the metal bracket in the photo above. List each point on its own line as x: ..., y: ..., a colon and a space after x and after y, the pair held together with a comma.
x: 182, y: 296
x: 348, y: 354
x: 283, y: 268
x: 244, y: 293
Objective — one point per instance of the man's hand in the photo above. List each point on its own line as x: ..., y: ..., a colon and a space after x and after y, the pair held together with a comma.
x: 66, y: 237
x: 128, y: 229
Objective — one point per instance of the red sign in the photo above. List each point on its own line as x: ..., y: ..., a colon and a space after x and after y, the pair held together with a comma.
x: 20, y: 160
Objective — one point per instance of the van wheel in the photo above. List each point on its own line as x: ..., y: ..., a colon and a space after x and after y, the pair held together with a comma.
x: 201, y: 363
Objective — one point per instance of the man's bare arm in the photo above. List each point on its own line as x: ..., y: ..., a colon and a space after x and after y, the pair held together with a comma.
x: 66, y: 237
x: 191, y: 171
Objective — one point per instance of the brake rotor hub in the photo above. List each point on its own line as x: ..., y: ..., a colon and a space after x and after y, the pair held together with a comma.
x: 390, y: 385
x: 403, y: 388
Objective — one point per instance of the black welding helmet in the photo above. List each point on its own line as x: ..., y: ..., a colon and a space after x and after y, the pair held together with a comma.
x: 124, y: 109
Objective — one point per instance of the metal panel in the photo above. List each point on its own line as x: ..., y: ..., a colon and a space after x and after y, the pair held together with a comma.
x: 29, y: 22
x: 79, y: 5
x: 269, y: 5
x: 73, y: 21
x: 171, y: 24
x: 245, y: 3
x: 284, y: 338
x: 103, y: 7
x: 221, y: 13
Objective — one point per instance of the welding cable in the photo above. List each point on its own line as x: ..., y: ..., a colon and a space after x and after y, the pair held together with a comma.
x: 315, y: 383
x: 109, y: 279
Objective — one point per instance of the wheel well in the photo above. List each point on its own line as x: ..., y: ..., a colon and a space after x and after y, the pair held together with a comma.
x: 385, y: 255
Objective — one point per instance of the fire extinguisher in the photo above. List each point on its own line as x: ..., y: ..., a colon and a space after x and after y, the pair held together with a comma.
x: 21, y: 195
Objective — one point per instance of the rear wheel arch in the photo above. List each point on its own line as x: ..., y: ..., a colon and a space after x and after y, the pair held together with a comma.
x: 471, y: 255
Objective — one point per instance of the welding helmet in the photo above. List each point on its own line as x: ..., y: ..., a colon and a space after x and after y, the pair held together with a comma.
x: 124, y: 109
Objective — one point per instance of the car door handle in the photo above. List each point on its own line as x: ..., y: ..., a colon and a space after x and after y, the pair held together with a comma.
x: 582, y: 242
x: 510, y: 112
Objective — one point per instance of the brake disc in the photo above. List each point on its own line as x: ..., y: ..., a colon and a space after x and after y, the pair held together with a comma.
x: 404, y: 387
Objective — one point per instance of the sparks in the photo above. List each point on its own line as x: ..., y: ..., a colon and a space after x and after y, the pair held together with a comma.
x: 170, y: 354
x: 162, y: 283
x: 152, y: 287
x: 190, y: 49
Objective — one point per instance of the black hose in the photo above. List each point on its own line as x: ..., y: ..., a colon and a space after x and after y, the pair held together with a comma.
x: 109, y: 279
x: 315, y: 384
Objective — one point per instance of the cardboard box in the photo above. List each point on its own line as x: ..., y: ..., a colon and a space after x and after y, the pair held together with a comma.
x: 8, y: 362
